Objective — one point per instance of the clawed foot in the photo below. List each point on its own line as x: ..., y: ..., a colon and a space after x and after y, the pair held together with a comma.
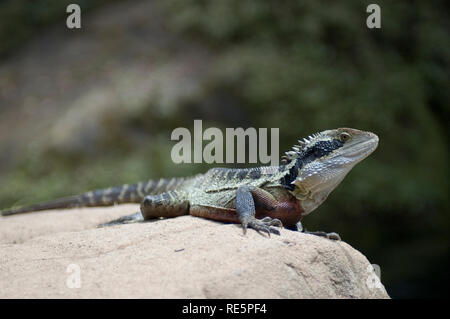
x: 265, y: 224
x: 133, y: 218
x: 332, y: 236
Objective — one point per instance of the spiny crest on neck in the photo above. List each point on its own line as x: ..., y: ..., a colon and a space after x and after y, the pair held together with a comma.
x: 304, y: 143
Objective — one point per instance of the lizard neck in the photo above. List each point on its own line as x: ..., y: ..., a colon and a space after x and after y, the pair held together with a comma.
x: 310, y: 198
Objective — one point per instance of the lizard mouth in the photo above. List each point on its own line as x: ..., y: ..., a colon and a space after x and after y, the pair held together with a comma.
x: 360, y: 149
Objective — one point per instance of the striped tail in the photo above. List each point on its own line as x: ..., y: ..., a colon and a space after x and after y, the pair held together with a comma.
x: 133, y: 193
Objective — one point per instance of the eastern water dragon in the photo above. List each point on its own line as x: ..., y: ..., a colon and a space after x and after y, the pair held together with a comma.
x: 262, y: 198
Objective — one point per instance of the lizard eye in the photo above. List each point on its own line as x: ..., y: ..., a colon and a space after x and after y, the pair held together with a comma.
x: 344, y: 136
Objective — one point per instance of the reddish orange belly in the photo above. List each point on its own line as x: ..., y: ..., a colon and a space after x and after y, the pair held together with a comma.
x: 289, y: 212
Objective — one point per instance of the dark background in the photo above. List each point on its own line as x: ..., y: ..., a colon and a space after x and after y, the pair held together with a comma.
x: 95, y: 107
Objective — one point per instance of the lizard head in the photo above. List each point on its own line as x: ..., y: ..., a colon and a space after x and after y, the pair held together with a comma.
x: 320, y: 162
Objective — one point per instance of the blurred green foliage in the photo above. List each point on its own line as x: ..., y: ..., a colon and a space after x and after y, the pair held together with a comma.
x: 303, y: 67
x: 23, y: 19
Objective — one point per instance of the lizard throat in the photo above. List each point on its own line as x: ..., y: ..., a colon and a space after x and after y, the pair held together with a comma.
x: 306, y: 156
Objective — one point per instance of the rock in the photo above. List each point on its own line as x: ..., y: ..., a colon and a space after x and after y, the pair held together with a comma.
x: 184, y: 257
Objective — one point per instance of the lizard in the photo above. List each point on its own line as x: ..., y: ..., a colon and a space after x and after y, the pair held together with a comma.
x: 262, y: 198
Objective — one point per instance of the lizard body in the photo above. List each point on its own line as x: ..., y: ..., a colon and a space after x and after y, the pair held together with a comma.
x: 260, y: 197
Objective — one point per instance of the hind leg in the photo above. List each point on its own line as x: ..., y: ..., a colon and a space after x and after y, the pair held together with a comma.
x: 169, y: 204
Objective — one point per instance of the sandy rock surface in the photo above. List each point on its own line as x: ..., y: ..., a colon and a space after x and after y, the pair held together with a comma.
x: 46, y: 254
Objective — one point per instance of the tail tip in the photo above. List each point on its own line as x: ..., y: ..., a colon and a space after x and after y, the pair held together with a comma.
x: 12, y: 211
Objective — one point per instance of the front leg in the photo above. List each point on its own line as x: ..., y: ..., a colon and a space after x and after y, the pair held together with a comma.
x: 245, y: 208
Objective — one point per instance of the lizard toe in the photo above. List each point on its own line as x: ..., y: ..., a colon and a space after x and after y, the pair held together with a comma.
x: 331, y: 236
x: 271, y: 221
x: 265, y: 225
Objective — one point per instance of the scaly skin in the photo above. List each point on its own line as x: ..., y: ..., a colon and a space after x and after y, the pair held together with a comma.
x: 260, y: 198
